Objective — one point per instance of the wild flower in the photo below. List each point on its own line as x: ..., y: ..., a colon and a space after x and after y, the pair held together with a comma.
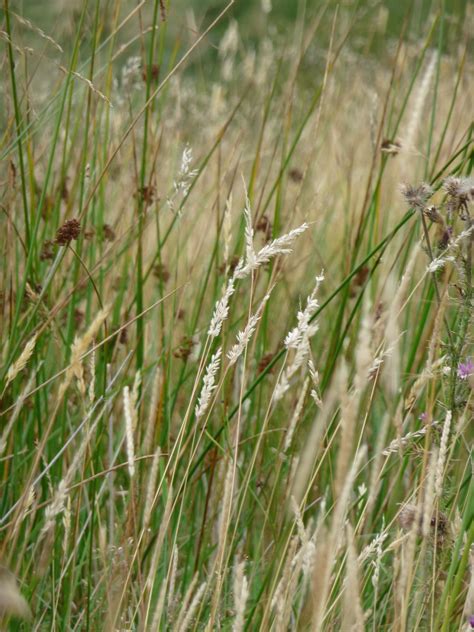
x: 417, y: 196
x: 459, y: 192
x: 466, y: 369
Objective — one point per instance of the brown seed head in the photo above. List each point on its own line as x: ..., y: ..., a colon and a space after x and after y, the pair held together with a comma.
x: 71, y: 229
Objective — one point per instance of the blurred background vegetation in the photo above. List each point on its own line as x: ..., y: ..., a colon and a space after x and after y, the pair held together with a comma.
x: 376, y: 22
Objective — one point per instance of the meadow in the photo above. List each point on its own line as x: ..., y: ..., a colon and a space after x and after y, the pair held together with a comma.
x: 236, y: 305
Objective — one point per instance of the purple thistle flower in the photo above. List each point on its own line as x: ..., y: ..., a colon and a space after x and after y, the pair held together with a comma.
x: 465, y: 369
x: 471, y: 621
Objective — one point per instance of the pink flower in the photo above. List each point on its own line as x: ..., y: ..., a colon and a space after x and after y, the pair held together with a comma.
x: 465, y: 369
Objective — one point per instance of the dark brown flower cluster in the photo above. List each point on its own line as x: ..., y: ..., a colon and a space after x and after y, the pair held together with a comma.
x: 71, y: 229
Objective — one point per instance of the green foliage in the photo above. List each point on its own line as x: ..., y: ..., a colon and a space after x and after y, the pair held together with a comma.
x: 199, y: 428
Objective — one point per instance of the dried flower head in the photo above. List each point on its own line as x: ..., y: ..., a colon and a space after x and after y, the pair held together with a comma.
x: 152, y: 71
x: 296, y: 175
x: 184, y: 349
x: 433, y: 214
x: 416, y: 197
x: 47, y: 251
x: 108, y: 232
x: 209, y: 384
x: 12, y: 601
x: 264, y: 362
x: 161, y: 272
x: 407, y: 517
x: 71, y: 229
x: 459, y: 192
x: 391, y: 147
x: 148, y: 194
x: 410, y: 517
x: 459, y: 187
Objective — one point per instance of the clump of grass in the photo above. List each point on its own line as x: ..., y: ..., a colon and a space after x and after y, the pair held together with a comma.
x: 201, y: 430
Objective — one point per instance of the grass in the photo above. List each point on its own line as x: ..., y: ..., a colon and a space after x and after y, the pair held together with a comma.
x: 236, y: 302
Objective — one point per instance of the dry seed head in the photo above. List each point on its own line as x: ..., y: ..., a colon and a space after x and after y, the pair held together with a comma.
x: 408, y: 517
x: 299, y: 340
x: 164, y: 526
x: 402, y: 442
x: 185, y: 604
x: 227, y: 228
x: 279, y: 246
x: 241, y: 593
x: 172, y: 598
x: 208, y: 384
x: 460, y: 188
x: 244, y: 336
x: 22, y: 361
x: 127, y: 409
x: 153, y: 411
x: 250, y: 257
x: 55, y: 508
x: 221, y: 310
x: 352, y: 612
x: 443, y: 451
x: 12, y: 602
x: 151, y: 488
x: 428, y: 500
x: 192, y: 608
x: 417, y: 197
x: 25, y: 22
x: 81, y: 345
x: 16, y: 411
x: 71, y: 229
x: 296, y: 415
x: 417, y: 106
x: 155, y: 624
